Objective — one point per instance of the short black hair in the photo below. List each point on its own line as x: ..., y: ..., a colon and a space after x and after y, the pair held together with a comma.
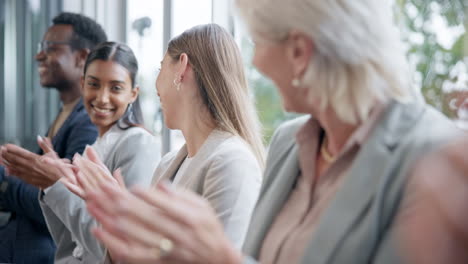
x: 87, y: 33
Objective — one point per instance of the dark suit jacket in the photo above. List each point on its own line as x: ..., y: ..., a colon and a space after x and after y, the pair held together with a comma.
x: 25, y: 238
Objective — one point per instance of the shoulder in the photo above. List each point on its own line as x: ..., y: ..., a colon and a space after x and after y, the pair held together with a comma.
x: 135, y: 143
x: 134, y: 136
x: 228, y: 148
x: 430, y: 131
x: 286, y: 132
x: 79, y: 115
x: 232, y: 156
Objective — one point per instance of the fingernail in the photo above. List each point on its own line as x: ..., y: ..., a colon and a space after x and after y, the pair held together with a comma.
x: 39, y: 138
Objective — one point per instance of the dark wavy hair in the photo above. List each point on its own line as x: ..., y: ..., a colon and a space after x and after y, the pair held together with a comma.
x: 123, y: 55
x: 87, y: 33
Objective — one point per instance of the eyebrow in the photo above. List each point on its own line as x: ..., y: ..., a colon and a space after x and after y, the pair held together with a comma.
x: 113, y: 81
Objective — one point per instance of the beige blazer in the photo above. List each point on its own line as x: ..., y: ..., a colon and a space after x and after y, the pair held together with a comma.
x: 357, y: 226
x: 226, y: 173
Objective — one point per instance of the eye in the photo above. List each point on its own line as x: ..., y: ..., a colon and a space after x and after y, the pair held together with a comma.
x: 117, y: 88
x: 93, y: 84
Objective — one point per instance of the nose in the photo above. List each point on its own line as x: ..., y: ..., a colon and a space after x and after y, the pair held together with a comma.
x: 40, y: 56
x: 156, y: 86
x: 103, y: 96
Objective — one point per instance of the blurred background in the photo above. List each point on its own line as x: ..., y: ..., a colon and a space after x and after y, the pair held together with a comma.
x: 434, y: 32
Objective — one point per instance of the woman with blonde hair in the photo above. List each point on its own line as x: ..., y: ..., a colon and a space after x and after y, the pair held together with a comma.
x: 204, y: 93
x: 334, y: 178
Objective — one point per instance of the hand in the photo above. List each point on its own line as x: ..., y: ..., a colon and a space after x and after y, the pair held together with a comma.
x: 29, y: 166
x: 89, y: 174
x: 133, y: 225
x: 433, y: 215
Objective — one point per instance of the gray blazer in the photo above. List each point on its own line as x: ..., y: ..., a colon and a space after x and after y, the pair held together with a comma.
x: 226, y: 173
x: 357, y: 226
x: 136, y: 153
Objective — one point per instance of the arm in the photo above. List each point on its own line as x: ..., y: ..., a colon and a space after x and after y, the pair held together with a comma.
x: 19, y: 197
x: 136, y: 157
x: 231, y: 186
x: 82, y: 134
x: 22, y: 198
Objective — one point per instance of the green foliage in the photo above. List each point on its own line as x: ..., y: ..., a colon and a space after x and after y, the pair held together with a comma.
x: 434, y: 61
x: 430, y: 50
x: 268, y: 101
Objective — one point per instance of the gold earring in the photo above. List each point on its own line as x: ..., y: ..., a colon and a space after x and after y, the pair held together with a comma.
x: 177, y: 81
x: 295, y: 82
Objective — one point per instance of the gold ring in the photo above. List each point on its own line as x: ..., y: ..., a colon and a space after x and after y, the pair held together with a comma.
x: 164, y: 248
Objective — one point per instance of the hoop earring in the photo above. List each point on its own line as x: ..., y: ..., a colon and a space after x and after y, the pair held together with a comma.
x: 177, y: 85
x: 177, y: 81
x: 295, y: 82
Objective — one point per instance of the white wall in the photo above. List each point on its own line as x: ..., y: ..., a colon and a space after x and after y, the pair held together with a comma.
x: 111, y: 14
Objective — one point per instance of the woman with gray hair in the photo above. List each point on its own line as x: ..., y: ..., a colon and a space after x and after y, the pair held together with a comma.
x: 334, y: 179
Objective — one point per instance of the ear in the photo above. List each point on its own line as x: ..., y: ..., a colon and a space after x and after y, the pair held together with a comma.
x: 81, y: 56
x: 183, y: 65
x: 299, y: 51
x: 134, y: 93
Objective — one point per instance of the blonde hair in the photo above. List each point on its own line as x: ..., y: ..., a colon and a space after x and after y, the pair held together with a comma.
x: 219, y: 73
x: 358, y: 56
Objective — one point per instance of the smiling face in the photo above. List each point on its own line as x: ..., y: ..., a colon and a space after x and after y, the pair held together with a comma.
x: 107, y: 92
x: 168, y: 94
x: 57, y: 63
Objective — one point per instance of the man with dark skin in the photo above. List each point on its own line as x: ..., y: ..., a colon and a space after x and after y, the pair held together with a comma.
x: 61, y: 58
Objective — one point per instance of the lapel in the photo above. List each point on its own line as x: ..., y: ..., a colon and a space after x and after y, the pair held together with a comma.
x: 359, y: 186
x: 57, y: 140
x: 279, y: 180
x: 170, y: 172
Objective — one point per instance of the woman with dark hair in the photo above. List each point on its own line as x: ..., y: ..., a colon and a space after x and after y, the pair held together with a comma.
x: 204, y: 93
x: 109, y: 96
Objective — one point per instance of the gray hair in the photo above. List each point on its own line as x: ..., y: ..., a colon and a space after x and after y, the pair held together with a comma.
x: 359, y: 57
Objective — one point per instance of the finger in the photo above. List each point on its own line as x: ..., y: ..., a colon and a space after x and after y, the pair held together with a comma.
x: 85, y: 176
x: 121, y: 250
x: 1, y: 157
x: 93, y: 156
x: 44, y: 145
x: 140, y: 212
x: 67, y: 161
x: 118, y: 176
x: 124, y: 224
x: 106, y: 200
x: 15, y: 151
x: 48, y: 142
x: 14, y: 161
x: 75, y: 189
x: 62, y: 168
x: 96, y: 174
x: 175, y: 204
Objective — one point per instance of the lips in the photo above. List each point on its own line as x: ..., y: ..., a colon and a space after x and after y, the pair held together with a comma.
x: 42, y: 70
x: 102, y: 111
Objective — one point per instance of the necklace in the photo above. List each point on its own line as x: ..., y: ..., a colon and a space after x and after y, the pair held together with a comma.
x: 324, y: 152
